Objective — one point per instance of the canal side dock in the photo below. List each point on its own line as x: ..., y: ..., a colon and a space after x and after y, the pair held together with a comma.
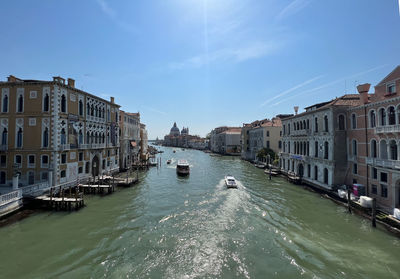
x: 97, y: 189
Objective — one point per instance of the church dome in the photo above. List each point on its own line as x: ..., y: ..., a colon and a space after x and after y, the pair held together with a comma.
x: 174, y: 130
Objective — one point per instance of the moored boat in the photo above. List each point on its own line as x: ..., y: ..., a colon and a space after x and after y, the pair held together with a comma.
x: 182, y: 168
x: 153, y: 162
x: 230, y: 181
x: 169, y: 161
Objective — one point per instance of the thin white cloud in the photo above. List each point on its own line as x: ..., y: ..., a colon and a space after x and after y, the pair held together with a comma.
x: 113, y: 15
x: 316, y: 89
x: 291, y: 90
x: 293, y: 8
x: 236, y: 55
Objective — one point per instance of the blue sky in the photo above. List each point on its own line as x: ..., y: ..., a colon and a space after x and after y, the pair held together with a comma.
x: 203, y: 63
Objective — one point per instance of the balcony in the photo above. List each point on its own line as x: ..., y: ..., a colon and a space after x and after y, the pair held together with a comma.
x: 386, y: 163
x: 304, y: 132
x: 387, y: 129
x: 64, y: 147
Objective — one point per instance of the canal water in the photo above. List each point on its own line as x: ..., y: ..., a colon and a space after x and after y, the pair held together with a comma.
x: 173, y: 227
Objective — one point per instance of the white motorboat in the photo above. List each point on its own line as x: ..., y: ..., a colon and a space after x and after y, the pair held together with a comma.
x: 182, y: 168
x: 230, y: 181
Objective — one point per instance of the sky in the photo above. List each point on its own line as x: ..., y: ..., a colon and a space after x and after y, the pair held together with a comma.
x: 203, y: 63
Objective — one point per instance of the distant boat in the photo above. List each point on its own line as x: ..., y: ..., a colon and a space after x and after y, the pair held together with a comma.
x: 230, y: 181
x: 182, y: 168
x: 169, y: 161
x: 152, y: 162
x: 174, y: 151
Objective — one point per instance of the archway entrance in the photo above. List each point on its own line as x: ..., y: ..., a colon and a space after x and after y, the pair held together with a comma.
x: 95, y: 166
x: 300, y: 170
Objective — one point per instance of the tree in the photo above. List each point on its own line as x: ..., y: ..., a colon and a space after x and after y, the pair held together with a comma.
x: 263, y: 154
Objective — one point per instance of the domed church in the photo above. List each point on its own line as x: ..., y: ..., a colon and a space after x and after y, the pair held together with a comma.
x: 174, y: 130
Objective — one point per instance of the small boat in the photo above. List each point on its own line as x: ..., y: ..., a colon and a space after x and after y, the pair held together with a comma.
x: 174, y: 151
x: 182, y: 168
x: 230, y: 182
x: 272, y: 172
x: 260, y: 166
x: 152, y: 162
x: 169, y: 161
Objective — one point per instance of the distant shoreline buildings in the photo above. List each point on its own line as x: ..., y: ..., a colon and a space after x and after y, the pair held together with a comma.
x: 183, y: 139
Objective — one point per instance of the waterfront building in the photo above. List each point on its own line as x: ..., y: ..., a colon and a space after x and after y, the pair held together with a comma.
x: 129, y: 139
x: 373, y: 131
x: 226, y: 140
x: 261, y: 134
x: 52, y: 131
x: 182, y: 138
x: 314, y: 142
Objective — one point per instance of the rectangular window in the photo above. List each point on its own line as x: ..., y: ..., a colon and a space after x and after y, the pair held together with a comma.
x: 63, y: 158
x: 354, y: 181
x: 374, y: 189
x: 391, y: 88
x: 267, y: 133
x: 279, y: 144
x: 3, y: 161
x: 355, y: 169
x: 267, y: 143
x: 45, y: 160
x: 384, y: 177
x: 44, y: 175
x: 384, y: 191
x: 374, y: 173
x: 18, y: 160
x: 31, y: 161
x: 63, y: 173
x: 80, y: 156
x: 80, y: 170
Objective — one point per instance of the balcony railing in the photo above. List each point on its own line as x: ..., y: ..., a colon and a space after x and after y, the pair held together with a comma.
x: 35, y: 189
x: 386, y: 163
x: 387, y: 129
x: 64, y: 147
x: 304, y: 132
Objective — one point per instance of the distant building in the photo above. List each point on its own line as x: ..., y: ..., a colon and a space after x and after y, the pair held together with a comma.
x: 129, y: 139
x: 226, y: 140
x: 144, y: 154
x: 261, y: 134
x: 184, y: 139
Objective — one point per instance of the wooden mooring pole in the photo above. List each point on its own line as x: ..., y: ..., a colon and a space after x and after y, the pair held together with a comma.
x: 374, y: 212
x: 348, y: 199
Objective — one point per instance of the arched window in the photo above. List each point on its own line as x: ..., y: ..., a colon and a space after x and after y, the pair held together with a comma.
x: 45, y: 139
x: 88, y: 109
x: 80, y: 107
x: 87, y: 137
x: 80, y: 137
x: 326, y: 176
x: 315, y: 173
x: 383, y: 149
x: 326, y: 123
x: 103, y: 138
x: 382, y: 115
x: 87, y: 167
x: 102, y: 113
x: 354, y: 147
x: 316, y: 149
x: 304, y: 125
x: 96, y: 113
x: 372, y: 119
x: 46, y: 103
x: 19, y: 138
x: 341, y: 122
x: 63, y: 103
x: 308, y: 148
x: 31, y: 178
x: 391, y: 116
x: 4, y: 137
x: 353, y: 121
x: 301, y: 125
x: 20, y: 104
x: 326, y: 150
x: 393, y: 150
x: 63, y: 137
x: 316, y: 124
x: 373, y: 149
x: 308, y: 124
x: 398, y: 114
x: 91, y: 110
x: 5, y: 103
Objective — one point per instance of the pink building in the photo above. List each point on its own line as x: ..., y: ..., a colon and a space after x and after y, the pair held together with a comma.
x: 373, y: 139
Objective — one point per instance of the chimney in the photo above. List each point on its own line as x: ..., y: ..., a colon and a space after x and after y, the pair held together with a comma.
x: 296, y: 110
x: 112, y: 100
x: 363, y: 90
x: 11, y: 78
x: 71, y: 82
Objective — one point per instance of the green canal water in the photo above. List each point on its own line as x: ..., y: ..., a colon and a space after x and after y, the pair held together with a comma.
x: 172, y: 227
